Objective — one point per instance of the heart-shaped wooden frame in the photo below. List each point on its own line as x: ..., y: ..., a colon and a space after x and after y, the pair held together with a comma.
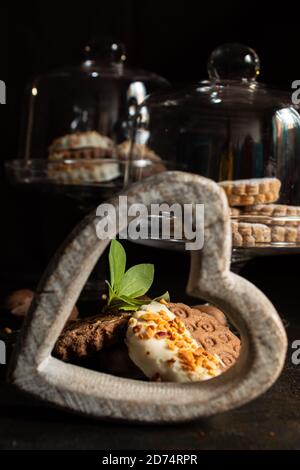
x: 100, y: 395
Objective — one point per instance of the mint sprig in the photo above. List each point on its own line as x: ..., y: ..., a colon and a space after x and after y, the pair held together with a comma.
x: 125, y: 287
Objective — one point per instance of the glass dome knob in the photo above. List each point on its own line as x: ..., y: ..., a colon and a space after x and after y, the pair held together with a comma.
x: 233, y: 62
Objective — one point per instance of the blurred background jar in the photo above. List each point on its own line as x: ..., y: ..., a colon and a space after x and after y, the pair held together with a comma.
x: 77, y: 122
x: 225, y: 128
x: 76, y: 130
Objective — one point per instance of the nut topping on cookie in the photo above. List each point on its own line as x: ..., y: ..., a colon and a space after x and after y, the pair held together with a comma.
x: 168, y: 348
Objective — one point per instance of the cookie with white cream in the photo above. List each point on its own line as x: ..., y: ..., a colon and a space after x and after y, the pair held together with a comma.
x: 162, y: 347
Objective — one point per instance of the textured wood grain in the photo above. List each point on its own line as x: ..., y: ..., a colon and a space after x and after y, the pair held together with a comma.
x: 33, y: 369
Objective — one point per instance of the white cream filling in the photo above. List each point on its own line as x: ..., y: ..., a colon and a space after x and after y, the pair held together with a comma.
x: 154, y: 356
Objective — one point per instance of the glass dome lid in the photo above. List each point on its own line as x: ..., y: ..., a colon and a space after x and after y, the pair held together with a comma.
x: 99, y: 95
x: 228, y: 127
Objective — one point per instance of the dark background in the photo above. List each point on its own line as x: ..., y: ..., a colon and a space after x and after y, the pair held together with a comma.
x: 172, y: 38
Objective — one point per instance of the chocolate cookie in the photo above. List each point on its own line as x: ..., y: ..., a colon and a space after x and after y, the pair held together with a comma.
x: 85, y: 337
x: 115, y: 360
x: 209, y: 332
x: 213, y: 311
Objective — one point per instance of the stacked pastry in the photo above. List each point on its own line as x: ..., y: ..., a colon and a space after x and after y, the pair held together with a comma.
x: 92, y: 157
x: 254, y: 200
x: 75, y: 158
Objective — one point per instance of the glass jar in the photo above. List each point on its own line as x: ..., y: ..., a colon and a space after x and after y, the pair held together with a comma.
x: 228, y: 127
x: 231, y: 128
x: 77, y: 119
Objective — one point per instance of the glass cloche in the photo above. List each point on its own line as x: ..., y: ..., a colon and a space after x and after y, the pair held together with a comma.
x: 77, y: 120
x: 235, y: 130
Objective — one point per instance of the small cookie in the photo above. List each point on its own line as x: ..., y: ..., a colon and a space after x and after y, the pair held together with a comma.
x: 280, y: 234
x: 251, y: 191
x: 83, y: 171
x: 209, y: 332
x: 274, y: 210
x: 161, y: 345
x: 72, y: 159
x: 247, y: 234
x: 85, y: 337
x: 81, y: 140
x: 213, y: 311
x: 82, y: 154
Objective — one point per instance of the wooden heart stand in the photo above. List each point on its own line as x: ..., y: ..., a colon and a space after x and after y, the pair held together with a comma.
x: 100, y: 395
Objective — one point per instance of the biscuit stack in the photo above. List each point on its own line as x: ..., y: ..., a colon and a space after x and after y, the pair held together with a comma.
x: 74, y: 158
x: 91, y: 157
x: 253, y: 200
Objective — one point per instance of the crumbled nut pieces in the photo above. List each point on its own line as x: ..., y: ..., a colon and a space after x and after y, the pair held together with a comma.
x: 178, y: 339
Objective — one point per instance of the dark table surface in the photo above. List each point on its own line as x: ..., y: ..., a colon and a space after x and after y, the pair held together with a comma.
x: 270, y: 422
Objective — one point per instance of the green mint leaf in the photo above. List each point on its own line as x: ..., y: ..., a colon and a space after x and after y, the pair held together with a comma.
x: 111, y: 293
x: 132, y: 301
x: 117, y: 264
x: 124, y: 303
x: 137, y: 281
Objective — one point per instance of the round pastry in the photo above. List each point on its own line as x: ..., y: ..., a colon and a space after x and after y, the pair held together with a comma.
x: 81, y: 171
x: 77, y: 142
x: 74, y: 157
x: 214, y: 336
x: 163, y: 348
x: 213, y: 311
x: 85, y: 337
